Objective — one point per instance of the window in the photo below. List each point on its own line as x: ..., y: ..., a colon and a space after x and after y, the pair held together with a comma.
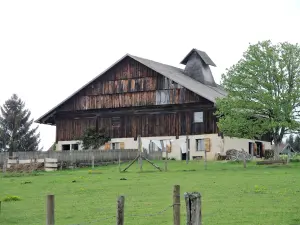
x: 115, y: 145
x: 198, y: 117
x: 74, y: 146
x: 162, y: 97
x: 65, y: 147
x: 200, y: 143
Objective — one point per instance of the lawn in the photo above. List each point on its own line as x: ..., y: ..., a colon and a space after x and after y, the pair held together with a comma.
x: 230, y: 194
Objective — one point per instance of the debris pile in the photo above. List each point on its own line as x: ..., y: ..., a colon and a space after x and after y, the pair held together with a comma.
x: 28, y: 167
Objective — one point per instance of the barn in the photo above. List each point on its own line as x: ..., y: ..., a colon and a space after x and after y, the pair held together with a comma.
x: 136, y: 96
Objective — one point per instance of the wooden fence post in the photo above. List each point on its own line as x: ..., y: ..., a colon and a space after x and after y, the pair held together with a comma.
x: 44, y: 163
x: 176, y: 205
x: 193, y: 208
x: 244, y: 158
x: 93, y: 161
x: 4, y: 166
x: 140, y: 152
x: 50, y: 210
x: 187, y: 148
x: 288, y: 156
x: 162, y: 150
x: 119, y: 161
x: 120, y: 210
x: 205, y: 159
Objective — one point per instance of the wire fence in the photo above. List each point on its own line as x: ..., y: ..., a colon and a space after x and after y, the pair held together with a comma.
x: 193, y: 209
x: 105, y: 219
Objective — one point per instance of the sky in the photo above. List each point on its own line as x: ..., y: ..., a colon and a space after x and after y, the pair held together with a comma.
x: 49, y: 49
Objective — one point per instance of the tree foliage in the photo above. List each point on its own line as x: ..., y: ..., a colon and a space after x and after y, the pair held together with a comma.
x: 16, y: 133
x: 93, y: 138
x: 264, y: 84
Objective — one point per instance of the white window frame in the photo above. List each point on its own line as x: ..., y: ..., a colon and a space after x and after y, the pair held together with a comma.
x: 116, y: 144
x: 198, y: 117
x: 200, y: 145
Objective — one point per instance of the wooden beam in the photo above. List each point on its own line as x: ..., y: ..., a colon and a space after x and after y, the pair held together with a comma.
x: 129, y: 111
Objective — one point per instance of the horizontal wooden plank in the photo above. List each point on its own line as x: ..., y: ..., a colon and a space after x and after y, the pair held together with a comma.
x: 50, y: 169
x: 50, y: 165
x: 40, y: 160
x: 11, y: 161
x: 24, y: 161
x: 50, y: 160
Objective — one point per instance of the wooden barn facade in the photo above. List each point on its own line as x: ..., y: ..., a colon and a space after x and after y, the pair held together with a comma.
x: 137, y: 96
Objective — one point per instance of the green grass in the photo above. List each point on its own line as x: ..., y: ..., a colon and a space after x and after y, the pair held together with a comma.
x: 230, y: 194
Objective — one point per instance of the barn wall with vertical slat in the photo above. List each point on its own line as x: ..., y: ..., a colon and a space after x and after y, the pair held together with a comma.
x: 131, y: 99
x: 146, y: 125
x: 130, y: 84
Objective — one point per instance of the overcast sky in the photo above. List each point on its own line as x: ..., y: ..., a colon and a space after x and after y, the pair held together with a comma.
x: 49, y: 49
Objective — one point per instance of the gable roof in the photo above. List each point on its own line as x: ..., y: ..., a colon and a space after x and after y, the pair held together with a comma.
x: 202, y: 55
x: 284, y: 149
x: 173, y: 73
x: 178, y: 75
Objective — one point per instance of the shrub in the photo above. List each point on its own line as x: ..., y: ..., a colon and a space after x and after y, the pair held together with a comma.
x: 94, y: 138
x: 269, y: 153
x: 295, y: 160
x: 284, y: 157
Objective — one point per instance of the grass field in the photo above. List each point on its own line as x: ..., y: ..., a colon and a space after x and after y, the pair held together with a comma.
x: 230, y: 194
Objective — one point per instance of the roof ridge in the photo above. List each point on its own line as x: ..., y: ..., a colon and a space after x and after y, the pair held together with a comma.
x: 155, y: 61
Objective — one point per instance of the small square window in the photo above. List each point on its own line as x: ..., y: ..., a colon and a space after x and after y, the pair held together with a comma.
x: 198, y: 117
x: 200, y: 145
x: 74, y: 146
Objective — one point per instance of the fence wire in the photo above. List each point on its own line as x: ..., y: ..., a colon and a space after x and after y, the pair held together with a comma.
x: 126, y: 215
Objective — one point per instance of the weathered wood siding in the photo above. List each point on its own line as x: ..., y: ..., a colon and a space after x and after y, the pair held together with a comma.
x: 146, y: 125
x: 130, y: 100
x: 130, y: 84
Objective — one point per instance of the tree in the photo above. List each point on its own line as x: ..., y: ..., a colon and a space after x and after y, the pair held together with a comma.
x: 264, y: 84
x: 16, y: 133
x: 93, y: 138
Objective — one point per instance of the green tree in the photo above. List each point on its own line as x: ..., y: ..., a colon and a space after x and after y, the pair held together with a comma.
x: 16, y: 133
x: 93, y: 138
x: 264, y: 84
